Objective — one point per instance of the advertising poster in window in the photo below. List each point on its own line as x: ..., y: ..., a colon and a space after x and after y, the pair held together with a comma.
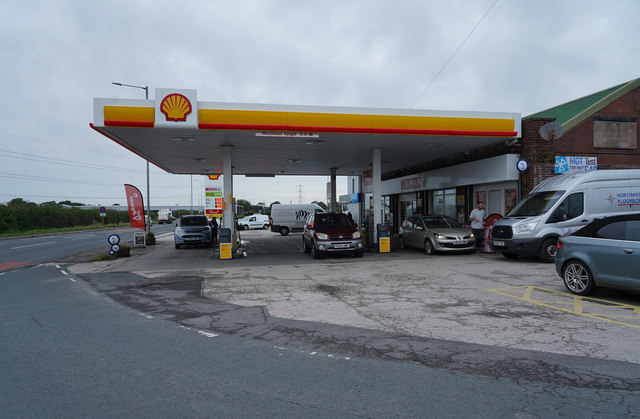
x: 481, y: 197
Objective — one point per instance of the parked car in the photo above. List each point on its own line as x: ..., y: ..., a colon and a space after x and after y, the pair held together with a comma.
x: 254, y: 221
x: 330, y: 232
x: 605, y: 253
x: 436, y: 233
x: 192, y: 229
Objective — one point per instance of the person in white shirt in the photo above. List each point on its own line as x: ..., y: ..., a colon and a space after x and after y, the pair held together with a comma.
x: 477, y: 217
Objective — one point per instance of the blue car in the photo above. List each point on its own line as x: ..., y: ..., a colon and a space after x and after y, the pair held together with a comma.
x: 605, y: 253
x: 192, y: 229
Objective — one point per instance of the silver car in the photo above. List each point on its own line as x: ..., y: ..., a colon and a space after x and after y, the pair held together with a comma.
x: 192, y: 229
x: 436, y: 233
x: 605, y: 253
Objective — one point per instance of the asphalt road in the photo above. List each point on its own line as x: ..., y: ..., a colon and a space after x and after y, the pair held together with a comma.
x: 70, y: 351
x: 27, y: 250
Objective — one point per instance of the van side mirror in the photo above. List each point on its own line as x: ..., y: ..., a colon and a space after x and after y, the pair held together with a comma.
x: 558, y: 216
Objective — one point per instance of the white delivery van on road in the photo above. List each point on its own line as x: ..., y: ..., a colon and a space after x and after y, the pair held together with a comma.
x: 562, y: 205
x: 254, y: 221
x: 286, y: 218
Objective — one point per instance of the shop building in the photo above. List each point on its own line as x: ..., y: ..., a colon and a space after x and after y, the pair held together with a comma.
x: 595, y: 132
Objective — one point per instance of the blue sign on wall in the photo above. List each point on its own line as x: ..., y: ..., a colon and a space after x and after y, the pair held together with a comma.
x: 565, y: 164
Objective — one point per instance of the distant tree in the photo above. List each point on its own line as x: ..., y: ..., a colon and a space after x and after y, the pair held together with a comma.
x: 71, y: 204
x: 16, y: 202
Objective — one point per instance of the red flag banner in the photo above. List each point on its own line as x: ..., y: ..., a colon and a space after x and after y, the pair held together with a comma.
x: 136, y: 206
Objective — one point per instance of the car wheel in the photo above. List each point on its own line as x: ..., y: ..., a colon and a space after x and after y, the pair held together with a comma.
x: 577, y: 278
x: 246, y: 227
x: 509, y: 255
x: 306, y: 248
x: 358, y: 253
x: 548, y: 250
x: 284, y: 231
x: 177, y: 246
x: 266, y: 226
x: 428, y: 247
x: 403, y: 245
x: 315, y: 253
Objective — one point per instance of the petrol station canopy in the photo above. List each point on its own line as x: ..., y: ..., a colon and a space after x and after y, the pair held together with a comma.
x: 182, y: 135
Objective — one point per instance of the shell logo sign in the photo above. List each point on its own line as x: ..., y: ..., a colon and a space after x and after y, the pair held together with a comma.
x: 175, y: 107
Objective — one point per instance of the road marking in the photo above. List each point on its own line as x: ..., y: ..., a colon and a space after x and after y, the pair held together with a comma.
x: 80, y: 237
x: 63, y: 272
x: 595, y: 308
x: 302, y: 351
x: 207, y: 334
x: 32, y: 245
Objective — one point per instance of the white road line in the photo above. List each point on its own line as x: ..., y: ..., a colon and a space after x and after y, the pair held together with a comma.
x: 80, y: 237
x: 57, y: 266
x: 64, y: 272
x: 207, y: 334
x: 32, y: 245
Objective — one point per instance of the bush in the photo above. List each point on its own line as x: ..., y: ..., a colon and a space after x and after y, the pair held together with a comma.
x: 151, y: 238
x: 124, y: 252
x: 19, y: 215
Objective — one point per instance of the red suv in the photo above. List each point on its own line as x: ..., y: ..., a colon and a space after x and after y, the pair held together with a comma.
x: 328, y: 232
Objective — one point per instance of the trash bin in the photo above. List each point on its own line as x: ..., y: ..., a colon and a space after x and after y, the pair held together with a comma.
x: 384, y: 241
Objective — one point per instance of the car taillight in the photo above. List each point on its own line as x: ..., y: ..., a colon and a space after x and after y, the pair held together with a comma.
x: 559, y: 245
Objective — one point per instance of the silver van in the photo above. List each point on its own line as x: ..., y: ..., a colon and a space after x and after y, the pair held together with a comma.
x: 286, y: 218
x: 562, y: 205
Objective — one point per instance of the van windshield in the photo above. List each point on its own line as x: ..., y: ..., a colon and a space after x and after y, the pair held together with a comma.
x: 536, y: 203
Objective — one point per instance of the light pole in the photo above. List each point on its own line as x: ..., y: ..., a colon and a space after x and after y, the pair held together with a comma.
x: 146, y: 96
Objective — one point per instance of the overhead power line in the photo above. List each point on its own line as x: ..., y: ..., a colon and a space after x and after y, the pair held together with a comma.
x: 454, y: 54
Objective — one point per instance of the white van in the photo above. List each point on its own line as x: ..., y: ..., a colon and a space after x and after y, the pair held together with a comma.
x: 165, y: 216
x: 254, y: 221
x: 286, y: 218
x: 562, y: 205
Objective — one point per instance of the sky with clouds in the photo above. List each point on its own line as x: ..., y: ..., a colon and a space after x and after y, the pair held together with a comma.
x: 483, y: 55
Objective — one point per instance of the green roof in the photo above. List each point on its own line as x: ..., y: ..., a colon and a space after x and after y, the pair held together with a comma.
x: 571, y: 113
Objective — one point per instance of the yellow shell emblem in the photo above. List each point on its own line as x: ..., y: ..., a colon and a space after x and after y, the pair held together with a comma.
x: 175, y: 107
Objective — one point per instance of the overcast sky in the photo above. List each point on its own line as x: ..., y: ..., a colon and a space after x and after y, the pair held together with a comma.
x: 482, y: 55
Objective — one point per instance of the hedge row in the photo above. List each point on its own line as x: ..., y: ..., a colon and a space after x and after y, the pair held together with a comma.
x: 19, y: 215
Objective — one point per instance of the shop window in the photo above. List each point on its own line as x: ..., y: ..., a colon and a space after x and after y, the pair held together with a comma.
x: 444, y: 202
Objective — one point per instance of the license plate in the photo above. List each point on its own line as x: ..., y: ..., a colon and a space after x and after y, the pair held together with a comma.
x: 460, y: 242
x: 192, y: 239
x: 497, y: 243
x: 341, y: 245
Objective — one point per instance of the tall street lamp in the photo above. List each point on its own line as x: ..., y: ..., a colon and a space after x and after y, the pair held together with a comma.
x: 146, y: 96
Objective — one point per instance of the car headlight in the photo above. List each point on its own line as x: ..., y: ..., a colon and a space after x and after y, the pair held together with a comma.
x: 179, y: 230
x: 529, y: 226
x: 472, y: 236
x: 322, y: 236
x: 439, y: 236
x: 357, y: 235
